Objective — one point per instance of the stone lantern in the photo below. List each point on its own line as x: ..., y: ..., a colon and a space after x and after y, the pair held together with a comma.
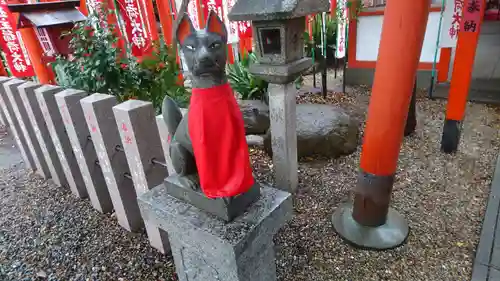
x: 277, y: 27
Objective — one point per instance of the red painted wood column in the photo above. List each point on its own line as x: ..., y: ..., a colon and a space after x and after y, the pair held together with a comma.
x: 43, y: 71
x: 333, y: 8
x: 460, y: 81
x: 444, y: 65
x: 370, y: 222
x: 166, y: 19
x: 83, y: 7
x: 3, y: 71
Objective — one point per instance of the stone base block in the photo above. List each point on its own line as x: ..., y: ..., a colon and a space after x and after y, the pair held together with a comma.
x: 217, y: 207
x: 205, y: 247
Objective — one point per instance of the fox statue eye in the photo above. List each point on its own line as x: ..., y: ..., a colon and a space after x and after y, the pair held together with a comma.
x: 190, y: 47
x: 214, y: 45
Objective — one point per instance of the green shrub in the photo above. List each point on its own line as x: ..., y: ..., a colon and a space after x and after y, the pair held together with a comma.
x: 99, y: 65
x: 243, y: 82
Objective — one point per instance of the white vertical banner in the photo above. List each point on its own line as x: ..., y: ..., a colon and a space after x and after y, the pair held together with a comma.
x: 231, y: 26
x: 452, y: 18
x: 341, y: 29
x: 192, y: 10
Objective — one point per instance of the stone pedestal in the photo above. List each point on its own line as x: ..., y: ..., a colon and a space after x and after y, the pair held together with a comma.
x: 206, y: 248
x: 283, y: 116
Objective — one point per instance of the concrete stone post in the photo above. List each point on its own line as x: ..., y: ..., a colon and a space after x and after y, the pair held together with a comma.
x: 207, y: 248
x: 12, y: 93
x: 165, y: 137
x: 283, y: 117
x: 106, y: 138
x: 35, y: 116
x: 71, y: 111
x: 14, y: 126
x: 142, y: 146
x: 53, y: 119
x: 3, y: 119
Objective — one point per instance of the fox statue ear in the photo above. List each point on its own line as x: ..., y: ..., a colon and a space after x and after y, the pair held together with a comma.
x: 215, y: 25
x: 184, y: 28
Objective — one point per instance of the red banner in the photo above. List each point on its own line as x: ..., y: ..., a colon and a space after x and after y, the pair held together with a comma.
x: 213, y: 5
x: 12, y: 45
x: 245, y: 29
x: 134, y: 15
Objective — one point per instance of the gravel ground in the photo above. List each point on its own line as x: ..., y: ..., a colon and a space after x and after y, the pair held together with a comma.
x: 47, y: 234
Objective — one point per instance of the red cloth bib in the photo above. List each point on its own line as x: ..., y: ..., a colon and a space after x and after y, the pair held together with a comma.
x: 217, y: 133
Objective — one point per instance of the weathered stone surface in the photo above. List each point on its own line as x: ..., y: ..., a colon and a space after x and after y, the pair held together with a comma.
x: 282, y: 109
x: 12, y: 94
x: 206, y: 248
x: 101, y: 123
x: 14, y: 125
x: 323, y: 130
x: 255, y: 115
x: 35, y: 115
x: 83, y: 148
x: 142, y: 144
x: 254, y: 140
x: 276, y: 9
x: 57, y: 131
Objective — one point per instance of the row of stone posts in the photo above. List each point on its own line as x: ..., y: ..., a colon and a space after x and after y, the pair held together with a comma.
x: 117, y: 156
x: 107, y: 152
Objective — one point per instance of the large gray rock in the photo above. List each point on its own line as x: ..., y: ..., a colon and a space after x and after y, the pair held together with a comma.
x: 322, y: 130
x: 255, y: 116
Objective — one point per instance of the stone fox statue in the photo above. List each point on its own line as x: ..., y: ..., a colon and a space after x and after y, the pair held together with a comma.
x: 208, y: 148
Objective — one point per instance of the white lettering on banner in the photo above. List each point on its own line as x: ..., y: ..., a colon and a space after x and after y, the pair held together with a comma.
x: 341, y: 29
x: 452, y: 19
x: 193, y: 13
x: 16, y: 59
x: 232, y: 26
x: 134, y: 15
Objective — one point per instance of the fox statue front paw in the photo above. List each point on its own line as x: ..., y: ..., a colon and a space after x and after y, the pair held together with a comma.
x: 191, y: 181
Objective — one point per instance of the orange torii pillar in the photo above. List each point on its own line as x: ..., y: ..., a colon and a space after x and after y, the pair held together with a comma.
x: 370, y: 223
x: 460, y: 84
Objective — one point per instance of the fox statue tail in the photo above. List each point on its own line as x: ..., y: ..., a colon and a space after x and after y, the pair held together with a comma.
x: 171, y: 113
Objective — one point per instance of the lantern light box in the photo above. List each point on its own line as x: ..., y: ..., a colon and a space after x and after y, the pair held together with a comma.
x: 277, y: 30
x: 55, y: 17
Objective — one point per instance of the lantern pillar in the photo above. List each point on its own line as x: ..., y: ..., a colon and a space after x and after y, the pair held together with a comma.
x: 43, y: 71
x: 370, y: 223
x: 461, y: 79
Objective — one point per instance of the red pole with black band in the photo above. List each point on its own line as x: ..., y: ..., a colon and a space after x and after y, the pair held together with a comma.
x: 369, y: 222
x: 468, y: 38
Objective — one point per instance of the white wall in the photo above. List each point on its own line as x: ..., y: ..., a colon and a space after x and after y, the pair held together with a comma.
x: 369, y: 30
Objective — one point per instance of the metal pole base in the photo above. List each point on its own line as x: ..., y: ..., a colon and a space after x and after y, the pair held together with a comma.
x: 388, y: 236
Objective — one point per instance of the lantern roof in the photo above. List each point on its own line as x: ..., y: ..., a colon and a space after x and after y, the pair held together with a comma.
x: 276, y: 9
x: 47, y: 14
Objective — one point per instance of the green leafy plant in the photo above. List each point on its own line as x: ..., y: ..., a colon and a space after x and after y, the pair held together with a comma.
x: 243, y: 82
x: 98, y: 64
